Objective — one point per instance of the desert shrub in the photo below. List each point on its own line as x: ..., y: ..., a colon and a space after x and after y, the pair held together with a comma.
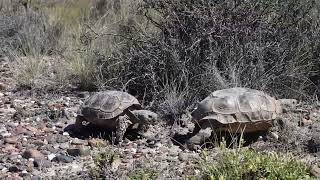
x: 248, y: 164
x: 29, y: 33
x: 209, y: 45
x: 42, y: 73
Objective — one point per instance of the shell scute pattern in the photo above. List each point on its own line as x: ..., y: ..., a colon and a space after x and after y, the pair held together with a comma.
x: 239, y: 105
x: 108, y: 104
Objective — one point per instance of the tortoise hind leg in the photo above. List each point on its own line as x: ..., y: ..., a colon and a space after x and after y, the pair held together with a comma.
x: 122, y: 125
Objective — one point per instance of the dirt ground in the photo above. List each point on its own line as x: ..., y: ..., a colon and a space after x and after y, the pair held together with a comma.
x: 37, y: 142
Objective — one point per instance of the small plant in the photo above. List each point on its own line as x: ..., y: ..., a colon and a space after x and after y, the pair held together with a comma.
x: 143, y: 174
x: 102, y: 164
x: 248, y: 164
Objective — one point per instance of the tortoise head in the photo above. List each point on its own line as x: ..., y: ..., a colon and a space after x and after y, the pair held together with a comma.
x: 146, y: 116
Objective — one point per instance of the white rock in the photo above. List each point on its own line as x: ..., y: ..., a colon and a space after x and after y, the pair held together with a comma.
x: 65, y: 133
x: 4, y: 169
x: 133, y: 150
x: 51, y: 156
x: 274, y: 135
x: 158, y: 144
x: 31, y: 159
x: 1, y: 94
x: 6, y: 134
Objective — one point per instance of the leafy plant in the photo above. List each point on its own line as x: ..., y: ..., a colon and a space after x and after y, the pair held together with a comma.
x: 248, y: 164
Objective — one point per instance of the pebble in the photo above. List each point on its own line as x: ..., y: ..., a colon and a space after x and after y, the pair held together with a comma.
x: 32, y: 153
x: 11, y: 140
x: 6, y: 134
x: 41, y: 163
x: 80, y: 151
x: 62, y: 158
x: 64, y: 145
x: 77, y: 141
x: 65, y: 134
x: 315, y: 171
x: 14, y: 169
x: 51, y: 156
x: 97, y: 143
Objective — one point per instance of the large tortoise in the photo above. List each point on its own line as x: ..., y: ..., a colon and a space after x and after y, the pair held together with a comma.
x: 234, y: 110
x: 114, y: 110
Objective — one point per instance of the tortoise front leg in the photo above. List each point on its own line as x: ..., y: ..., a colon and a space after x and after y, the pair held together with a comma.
x: 122, y: 125
x: 201, y: 132
x: 78, y: 124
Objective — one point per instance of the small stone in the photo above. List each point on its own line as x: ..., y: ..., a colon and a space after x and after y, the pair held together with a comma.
x: 38, y: 143
x: 4, y: 169
x: 14, y: 169
x: 60, y: 139
x: 42, y: 163
x: 97, y: 143
x: 11, y: 140
x: 77, y: 141
x: 64, y: 145
x: 306, y: 121
x: 32, y: 153
x: 32, y: 129
x: 274, y: 135
x: 6, y: 134
x: 133, y: 150
x: 115, y: 164
x: 51, y: 156
x: 315, y: 171
x: 137, y: 155
x: 65, y: 134
x: 80, y: 151
x: 63, y: 158
x: 183, y: 156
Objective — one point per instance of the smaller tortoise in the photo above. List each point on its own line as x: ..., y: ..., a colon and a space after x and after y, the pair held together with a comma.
x: 114, y: 110
x: 234, y: 110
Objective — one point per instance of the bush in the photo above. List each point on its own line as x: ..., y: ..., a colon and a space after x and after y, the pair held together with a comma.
x: 208, y: 45
x: 248, y: 164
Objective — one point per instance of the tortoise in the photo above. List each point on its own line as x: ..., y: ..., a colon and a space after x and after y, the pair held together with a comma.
x: 234, y: 110
x: 114, y: 110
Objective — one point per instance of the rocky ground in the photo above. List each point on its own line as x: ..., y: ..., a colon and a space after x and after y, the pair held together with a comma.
x: 37, y: 142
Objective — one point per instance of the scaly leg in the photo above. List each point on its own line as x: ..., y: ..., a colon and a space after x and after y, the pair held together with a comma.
x: 122, y: 125
x: 201, y: 132
x: 78, y: 124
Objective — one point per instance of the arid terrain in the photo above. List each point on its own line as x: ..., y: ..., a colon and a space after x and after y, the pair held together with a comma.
x: 170, y: 55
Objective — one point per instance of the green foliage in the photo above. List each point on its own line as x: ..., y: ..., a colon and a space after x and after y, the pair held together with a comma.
x: 102, y: 164
x: 249, y: 164
x: 143, y: 174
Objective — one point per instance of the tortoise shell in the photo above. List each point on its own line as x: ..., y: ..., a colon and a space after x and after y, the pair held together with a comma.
x: 108, y: 105
x: 238, y: 108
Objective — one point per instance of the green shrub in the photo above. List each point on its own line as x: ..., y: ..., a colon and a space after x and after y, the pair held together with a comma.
x: 249, y: 164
